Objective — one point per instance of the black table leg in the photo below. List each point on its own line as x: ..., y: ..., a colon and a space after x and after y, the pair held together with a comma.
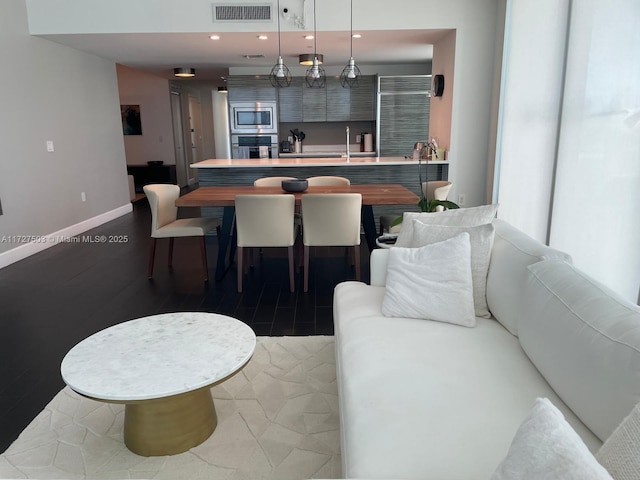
x: 369, y: 224
x: 223, y: 242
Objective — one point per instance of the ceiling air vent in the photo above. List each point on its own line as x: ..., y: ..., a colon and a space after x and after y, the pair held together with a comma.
x: 241, y: 13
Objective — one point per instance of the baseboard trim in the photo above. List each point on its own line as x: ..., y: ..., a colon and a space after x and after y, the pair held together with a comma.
x: 61, y: 236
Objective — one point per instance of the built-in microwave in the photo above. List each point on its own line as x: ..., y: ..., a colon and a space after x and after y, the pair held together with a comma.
x: 253, y: 117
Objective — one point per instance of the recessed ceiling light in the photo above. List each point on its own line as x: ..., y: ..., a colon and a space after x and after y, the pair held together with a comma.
x: 308, y: 37
x: 262, y: 37
x: 357, y: 35
x: 215, y: 37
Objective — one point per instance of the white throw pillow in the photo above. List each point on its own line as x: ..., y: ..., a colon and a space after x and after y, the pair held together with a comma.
x: 432, y: 282
x: 620, y: 453
x: 481, y: 238
x: 545, y: 447
x: 458, y: 217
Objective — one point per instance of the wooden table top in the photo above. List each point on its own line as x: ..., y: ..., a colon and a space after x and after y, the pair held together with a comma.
x: 372, y: 194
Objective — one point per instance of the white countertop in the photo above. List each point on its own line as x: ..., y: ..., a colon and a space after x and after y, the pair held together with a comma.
x: 308, y: 162
x: 158, y: 356
x: 320, y: 154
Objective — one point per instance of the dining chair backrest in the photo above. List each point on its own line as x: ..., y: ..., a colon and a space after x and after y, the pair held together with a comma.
x: 436, y: 190
x: 327, y: 181
x: 331, y: 219
x: 265, y: 220
x: 162, y: 200
x: 271, y: 181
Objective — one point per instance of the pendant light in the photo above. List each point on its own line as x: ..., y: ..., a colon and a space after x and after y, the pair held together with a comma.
x: 315, y: 77
x: 280, y: 75
x: 351, y: 73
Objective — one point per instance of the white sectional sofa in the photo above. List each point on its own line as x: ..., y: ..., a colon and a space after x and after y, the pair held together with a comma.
x: 422, y: 399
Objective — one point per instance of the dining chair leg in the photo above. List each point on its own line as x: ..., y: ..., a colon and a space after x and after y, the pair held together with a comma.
x: 152, y: 254
x: 240, y: 255
x: 170, y: 252
x: 356, y: 255
x: 306, y: 268
x: 203, y: 252
x: 292, y: 282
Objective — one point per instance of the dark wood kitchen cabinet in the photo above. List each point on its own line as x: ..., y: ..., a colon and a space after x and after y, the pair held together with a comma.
x: 363, y: 99
x: 299, y: 103
x: 290, y: 101
x: 250, y: 88
x: 338, y: 101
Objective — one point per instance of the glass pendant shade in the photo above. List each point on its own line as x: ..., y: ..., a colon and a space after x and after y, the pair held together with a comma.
x: 280, y: 75
x: 315, y: 77
x: 350, y: 74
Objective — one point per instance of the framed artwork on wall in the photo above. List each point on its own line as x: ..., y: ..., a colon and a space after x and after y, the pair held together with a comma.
x: 131, y: 124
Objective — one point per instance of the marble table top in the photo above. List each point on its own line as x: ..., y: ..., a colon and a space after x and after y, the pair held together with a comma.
x: 158, y: 356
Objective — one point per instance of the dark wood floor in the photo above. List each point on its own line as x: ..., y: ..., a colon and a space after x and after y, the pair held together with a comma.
x: 54, y: 299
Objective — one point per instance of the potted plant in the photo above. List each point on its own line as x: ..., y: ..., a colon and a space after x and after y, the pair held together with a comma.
x: 424, y: 204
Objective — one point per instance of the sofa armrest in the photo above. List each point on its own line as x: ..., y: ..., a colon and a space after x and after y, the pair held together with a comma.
x: 378, y: 263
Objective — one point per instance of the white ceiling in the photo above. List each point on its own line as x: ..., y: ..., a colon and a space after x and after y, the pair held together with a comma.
x: 159, y: 53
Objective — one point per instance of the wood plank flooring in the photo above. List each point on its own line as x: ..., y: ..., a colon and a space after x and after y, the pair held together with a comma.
x: 54, y: 299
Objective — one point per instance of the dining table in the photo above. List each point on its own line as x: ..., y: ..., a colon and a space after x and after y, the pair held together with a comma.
x: 224, y: 196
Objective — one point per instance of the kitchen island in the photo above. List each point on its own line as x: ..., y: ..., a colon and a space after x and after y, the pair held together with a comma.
x: 360, y: 170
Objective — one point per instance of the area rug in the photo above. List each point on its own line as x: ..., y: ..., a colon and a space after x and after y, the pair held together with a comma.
x: 277, y: 419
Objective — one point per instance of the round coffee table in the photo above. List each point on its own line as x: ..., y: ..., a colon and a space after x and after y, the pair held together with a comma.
x: 162, y: 368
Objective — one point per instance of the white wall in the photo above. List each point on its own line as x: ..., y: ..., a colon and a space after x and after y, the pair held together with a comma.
x: 152, y: 94
x: 444, y: 52
x: 59, y: 94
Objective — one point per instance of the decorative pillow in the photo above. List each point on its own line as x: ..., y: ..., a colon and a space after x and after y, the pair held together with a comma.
x: 432, y: 282
x: 459, y: 217
x: 481, y: 238
x: 620, y: 453
x: 546, y: 447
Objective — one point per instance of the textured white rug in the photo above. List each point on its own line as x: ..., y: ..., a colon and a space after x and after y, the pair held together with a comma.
x: 277, y: 419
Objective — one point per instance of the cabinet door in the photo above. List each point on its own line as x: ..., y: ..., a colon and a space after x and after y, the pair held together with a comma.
x: 338, y: 101
x: 314, y: 104
x: 363, y: 99
x: 250, y: 88
x: 290, y: 101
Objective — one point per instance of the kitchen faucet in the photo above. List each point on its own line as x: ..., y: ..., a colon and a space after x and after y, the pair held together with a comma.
x: 348, y: 154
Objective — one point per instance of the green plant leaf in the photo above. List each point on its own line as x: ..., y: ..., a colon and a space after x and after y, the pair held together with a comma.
x: 397, y: 221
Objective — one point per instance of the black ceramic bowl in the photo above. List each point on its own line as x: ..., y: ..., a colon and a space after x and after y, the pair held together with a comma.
x: 294, y: 185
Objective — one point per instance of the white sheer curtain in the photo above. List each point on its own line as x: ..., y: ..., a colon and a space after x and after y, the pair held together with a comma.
x: 589, y: 206
x: 596, y: 206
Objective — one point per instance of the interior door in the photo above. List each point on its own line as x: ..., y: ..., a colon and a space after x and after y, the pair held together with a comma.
x: 178, y: 139
x: 195, y: 136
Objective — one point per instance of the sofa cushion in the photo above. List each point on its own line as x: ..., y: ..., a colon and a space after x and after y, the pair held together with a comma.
x: 425, y: 399
x: 585, y: 340
x: 459, y: 217
x: 432, y: 282
x: 545, y: 446
x: 620, y: 453
x: 512, y: 252
x: 481, y: 238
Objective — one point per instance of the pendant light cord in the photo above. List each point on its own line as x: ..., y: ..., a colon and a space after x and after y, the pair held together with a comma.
x: 315, y: 33
x: 278, y: 13
x: 351, y: 28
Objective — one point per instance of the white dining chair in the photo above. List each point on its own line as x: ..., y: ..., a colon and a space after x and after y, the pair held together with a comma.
x: 165, y: 224
x: 434, y: 190
x: 271, y: 181
x: 323, y: 227
x: 265, y: 221
x: 327, y: 181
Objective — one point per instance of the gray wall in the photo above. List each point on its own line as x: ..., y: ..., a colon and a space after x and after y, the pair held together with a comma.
x: 51, y: 92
